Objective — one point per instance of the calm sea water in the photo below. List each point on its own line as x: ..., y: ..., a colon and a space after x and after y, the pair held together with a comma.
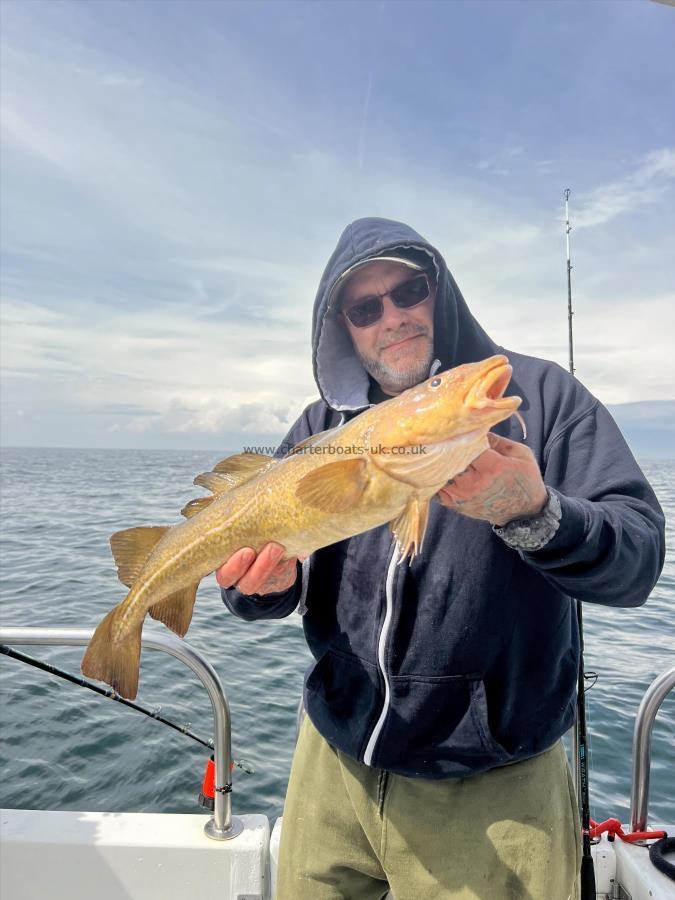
x: 62, y: 747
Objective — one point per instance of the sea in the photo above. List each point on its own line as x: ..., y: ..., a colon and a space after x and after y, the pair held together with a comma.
x: 64, y: 747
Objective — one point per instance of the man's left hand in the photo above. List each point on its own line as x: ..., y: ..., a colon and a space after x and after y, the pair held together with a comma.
x: 501, y: 484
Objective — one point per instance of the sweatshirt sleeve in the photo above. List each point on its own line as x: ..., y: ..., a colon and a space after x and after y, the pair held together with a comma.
x: 268, y: 606
x: 610, y: 545
x: 282, y: 603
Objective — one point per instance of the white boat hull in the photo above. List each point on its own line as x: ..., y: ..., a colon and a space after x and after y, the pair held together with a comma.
x: 166, y: 856
x: 129, y: 856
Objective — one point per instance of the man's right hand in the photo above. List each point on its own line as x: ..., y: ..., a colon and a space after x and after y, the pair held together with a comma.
x: 261, y: 573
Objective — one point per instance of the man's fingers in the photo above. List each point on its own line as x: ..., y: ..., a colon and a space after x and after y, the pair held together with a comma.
x: 445, y: 496
x: 262, y: 568
x: 235, y: 567
x: 499, y: 443
x: 255, y: 574
x: 468, y: 471
x: 506, y: 447
x: 487, y: 461
x: 490, y: 460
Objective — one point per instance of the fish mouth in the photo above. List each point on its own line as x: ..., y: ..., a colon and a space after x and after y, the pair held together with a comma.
x: 488, y: 391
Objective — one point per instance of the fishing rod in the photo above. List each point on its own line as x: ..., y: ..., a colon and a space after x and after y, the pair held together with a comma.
x: 568, y: 228
x: 587, y: 874
x: 104, y: 692
x: 113, y: 695
x: 207, y: 793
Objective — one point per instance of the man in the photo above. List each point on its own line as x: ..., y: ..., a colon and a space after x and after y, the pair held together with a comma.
x: 430, y: 760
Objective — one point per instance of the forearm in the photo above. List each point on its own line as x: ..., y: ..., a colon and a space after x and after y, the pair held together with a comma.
x: 608, y: 552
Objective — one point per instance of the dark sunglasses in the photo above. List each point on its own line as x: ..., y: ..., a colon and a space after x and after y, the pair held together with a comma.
x: 404, y: 296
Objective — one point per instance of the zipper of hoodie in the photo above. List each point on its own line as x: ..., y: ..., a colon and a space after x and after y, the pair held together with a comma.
x: 381, y: 649
x: 384, y: 632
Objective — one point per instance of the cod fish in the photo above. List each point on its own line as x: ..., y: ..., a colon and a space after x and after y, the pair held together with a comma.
x: 383, y: 466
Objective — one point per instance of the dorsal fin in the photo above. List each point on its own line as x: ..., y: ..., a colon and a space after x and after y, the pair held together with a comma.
x: 196, y: 506
x: 243, y: 466
x: 227, y: 474
x: 132, y: 547
x: 214, y: 482
x: 308, y: 441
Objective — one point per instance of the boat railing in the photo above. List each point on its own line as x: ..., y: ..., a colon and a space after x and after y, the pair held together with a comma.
x: 299, y: 718
x: 642, y: 746
x: 222, y: 825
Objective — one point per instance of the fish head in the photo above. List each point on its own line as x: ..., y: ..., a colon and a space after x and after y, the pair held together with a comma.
x: 463, y: 401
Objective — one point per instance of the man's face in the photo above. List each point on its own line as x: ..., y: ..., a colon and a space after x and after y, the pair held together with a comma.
x: 398, y: 349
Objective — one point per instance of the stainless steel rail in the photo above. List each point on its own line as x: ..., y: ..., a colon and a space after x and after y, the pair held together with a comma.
x: 642, y: 747
x: 299, y: 718
x: 223, y: 825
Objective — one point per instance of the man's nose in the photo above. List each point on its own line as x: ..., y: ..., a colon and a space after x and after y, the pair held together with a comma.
x: 392, y: 316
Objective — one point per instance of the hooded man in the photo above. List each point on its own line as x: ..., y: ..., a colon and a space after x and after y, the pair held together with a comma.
x: 430, y: 760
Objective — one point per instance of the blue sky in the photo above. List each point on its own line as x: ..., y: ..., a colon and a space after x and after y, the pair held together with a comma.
x: 175, y: 176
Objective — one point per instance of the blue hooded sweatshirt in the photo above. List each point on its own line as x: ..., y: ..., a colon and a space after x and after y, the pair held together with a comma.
x: 466, y: 658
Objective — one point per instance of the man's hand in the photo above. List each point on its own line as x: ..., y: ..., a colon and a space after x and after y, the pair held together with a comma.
x: 258, y: 574
x: 501, y: 484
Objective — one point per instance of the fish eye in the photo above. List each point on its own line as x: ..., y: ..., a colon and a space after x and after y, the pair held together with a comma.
x: 435, y: 383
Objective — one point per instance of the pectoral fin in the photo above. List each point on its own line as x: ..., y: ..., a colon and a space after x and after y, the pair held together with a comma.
x: 335, y: 487
x: 175, y: 611
x: 132, y: 547
x: 409, y: 528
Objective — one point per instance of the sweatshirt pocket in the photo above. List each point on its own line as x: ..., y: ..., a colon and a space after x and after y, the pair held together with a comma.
x: 341, y: 697
x: 438, y: 727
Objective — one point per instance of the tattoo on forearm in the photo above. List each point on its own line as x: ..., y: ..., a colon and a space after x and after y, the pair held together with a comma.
x: 504, y: 500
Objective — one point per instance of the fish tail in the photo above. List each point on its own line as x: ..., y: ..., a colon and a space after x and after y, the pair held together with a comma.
x: 115, y: 661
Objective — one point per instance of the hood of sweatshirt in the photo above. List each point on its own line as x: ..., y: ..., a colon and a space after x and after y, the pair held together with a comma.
x: 458, y: 338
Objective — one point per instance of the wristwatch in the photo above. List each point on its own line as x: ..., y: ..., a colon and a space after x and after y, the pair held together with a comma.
x: 534, y: 532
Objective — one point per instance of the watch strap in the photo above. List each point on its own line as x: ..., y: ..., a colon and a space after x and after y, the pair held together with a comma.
x: 533, y: 532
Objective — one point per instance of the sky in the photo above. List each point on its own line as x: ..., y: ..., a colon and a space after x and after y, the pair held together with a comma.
x: 174, y: 177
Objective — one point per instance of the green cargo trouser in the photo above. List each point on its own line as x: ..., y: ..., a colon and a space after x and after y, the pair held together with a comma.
x: 351, y: 831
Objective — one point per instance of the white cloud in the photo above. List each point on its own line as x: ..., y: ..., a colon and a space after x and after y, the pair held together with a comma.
x: 165, y: 245
x: 502, y: 162
x: 648, y: 184
x: 120, y: 81
x: 621, y: 359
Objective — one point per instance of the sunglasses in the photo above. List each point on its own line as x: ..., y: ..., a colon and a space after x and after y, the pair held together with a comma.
x: 404, y: 296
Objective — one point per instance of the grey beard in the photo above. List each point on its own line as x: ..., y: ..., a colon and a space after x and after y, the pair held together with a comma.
x: 396, y: 379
